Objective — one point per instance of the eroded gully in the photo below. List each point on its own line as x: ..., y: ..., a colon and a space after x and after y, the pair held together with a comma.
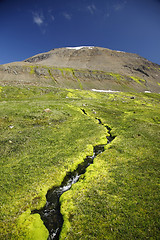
x: 50, y: 213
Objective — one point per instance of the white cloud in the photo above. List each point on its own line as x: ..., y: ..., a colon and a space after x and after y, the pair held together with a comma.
x: 91, y: 8
x: 38, y: 18
x: 67, y: 16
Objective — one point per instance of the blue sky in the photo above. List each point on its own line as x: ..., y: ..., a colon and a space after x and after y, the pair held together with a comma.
x: 28, y: 27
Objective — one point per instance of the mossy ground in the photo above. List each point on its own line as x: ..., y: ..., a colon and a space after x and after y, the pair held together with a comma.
x: 118, y: 197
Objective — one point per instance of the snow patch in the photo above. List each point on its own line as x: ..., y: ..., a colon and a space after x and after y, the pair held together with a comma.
x: 78, y: 48
x: 147, y: 91
x: 120, y: 51
x: 109, y: 91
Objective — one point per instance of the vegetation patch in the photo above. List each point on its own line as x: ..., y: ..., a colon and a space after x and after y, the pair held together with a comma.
x: 80, y: 84
x: 44, y: 134
x: 138, y: 80
x: 32, y: 71
x: 50, y: 74
x: 117, y: 76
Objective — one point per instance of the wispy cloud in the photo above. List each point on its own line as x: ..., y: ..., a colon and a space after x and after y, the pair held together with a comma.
x: 43, y: 19
x: 50, y: 12
x: 119, y: 5
x: 91, y: 8
x: 52, y: 17
x: 67, y: 16
x: 38, y: 18
x: 113, y: 8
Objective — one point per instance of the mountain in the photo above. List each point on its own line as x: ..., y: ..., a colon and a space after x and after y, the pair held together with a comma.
x: 84, y: 68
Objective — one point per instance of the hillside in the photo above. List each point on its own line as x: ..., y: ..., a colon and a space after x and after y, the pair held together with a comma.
x: 84, y: 68
x: 79, y: 146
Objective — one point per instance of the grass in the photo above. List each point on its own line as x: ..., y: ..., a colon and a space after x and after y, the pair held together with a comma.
x: 117, y: 198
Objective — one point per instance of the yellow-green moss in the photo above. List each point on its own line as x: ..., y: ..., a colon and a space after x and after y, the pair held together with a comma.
x: 32, y: 71
x: 71, y: 71
x: 117, y: 76
x: 86, y: 94
x: 66, y: 210
x: 61, y: 70
x: 50, y: 74
x: 80, y: 84
x: 42, y: 147
x: 31, y: 227
x: 138, y: 80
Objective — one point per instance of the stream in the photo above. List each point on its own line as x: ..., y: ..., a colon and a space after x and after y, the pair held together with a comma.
x: 50, y: 213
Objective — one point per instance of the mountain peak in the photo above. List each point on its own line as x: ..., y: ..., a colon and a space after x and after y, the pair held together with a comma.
x: 87, y: 67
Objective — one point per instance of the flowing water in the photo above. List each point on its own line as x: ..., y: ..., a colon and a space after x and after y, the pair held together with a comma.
x: 50, y: 213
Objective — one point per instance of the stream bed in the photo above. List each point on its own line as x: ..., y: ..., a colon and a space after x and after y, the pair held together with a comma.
x: 50, y: 213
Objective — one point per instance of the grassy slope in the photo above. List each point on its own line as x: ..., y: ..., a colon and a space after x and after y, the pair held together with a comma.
x: 118, y: 197
x: 38, y: 147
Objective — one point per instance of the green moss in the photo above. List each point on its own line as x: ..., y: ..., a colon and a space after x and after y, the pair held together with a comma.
x: 80, y: 84
x: 118, y: 196
x: 138, y: 80
x: 72, y: 95
x: 50, y: 74
x: 117, y: 76
x: 69, y: 70
x: 62, y: 70
x: 31, y: 227
x: 32, y: 152
x: 32, y: 71
x: 158, y: 83
x: 78, y: 94
x: 117, y: 176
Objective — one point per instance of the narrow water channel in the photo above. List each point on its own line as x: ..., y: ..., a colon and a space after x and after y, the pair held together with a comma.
x: 50, y: 213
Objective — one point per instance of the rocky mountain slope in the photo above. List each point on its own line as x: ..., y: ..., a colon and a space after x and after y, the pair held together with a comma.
x: 84, y: 68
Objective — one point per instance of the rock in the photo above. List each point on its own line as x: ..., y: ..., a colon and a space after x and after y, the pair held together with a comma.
x: 41, y: 71
x: 38, y: 57
x: 90, y: 67
x: 47, y: 110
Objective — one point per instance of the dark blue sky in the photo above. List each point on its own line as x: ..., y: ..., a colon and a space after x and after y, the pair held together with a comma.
x: 28, y: 27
